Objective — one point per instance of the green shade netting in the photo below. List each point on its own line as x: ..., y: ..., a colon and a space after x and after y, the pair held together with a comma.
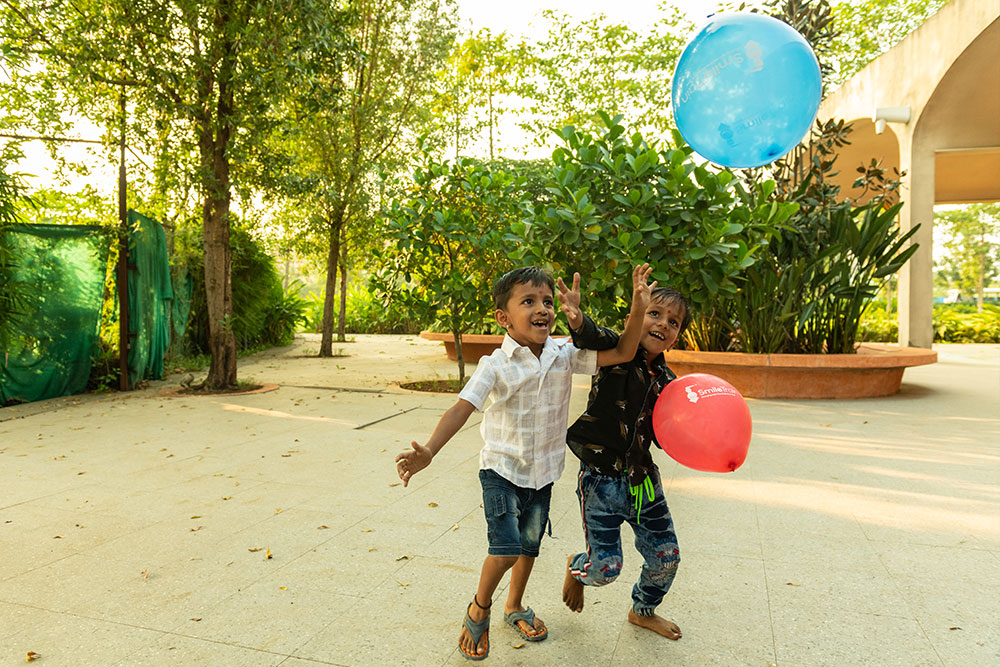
x: 183, y: 290
x: 150, y: 298
x: 64, y: 267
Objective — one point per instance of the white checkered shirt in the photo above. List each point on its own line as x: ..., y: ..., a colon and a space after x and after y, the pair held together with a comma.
x: 524, y: 428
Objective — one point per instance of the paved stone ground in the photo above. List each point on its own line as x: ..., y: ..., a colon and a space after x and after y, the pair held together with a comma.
x: 135, y: 529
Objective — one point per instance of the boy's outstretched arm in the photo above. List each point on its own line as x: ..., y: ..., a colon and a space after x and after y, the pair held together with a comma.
x: 628, y: 343
x: 409, y: 463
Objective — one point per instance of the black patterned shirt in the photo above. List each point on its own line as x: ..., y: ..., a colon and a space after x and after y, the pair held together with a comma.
x: 614, y: 435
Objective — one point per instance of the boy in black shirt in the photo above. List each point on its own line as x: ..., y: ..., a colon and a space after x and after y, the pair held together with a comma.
x: 618, y: 480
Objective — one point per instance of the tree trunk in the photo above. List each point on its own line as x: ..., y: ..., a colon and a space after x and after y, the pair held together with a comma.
x: 332, y: 261
x: 461, y: 357
x: 218, y: 259
x: 215, y: 129
x: 342, y: 316
x: 491, y: 125
x: 980, y: 274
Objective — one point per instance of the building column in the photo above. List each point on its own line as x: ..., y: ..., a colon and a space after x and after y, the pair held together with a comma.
x: 916, y: 278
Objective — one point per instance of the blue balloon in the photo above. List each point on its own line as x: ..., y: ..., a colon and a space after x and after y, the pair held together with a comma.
x: 746, y: 90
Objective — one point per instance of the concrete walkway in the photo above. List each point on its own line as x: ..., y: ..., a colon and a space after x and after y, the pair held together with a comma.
x: 270, y: 529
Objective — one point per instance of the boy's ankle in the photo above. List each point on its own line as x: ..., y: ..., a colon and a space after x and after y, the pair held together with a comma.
x: 477, y: 612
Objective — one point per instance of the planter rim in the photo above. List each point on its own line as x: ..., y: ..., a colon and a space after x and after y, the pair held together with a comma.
x: 869, y: 355
x: 468, y: 338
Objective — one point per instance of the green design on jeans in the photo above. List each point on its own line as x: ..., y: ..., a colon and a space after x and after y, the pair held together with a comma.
x: 637, y: 491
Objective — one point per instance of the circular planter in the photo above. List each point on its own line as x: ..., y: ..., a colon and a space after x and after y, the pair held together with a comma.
x: 474, y: 346
x: 875, y: 370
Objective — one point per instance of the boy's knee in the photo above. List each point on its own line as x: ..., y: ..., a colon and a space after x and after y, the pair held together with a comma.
x: 605, y: 574
x: 505, y: 562
x: 668, y: 560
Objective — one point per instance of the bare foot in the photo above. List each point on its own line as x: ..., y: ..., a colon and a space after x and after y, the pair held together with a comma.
x: 657, y: 624
x: 572, y: 590
x: 465, y: 639
x: 536, y: 630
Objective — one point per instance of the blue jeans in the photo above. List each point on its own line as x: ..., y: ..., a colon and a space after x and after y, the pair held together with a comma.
x: 605, y: 503
x: 515, y: 516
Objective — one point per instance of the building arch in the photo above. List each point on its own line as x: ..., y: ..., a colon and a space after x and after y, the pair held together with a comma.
x: 938, y: 92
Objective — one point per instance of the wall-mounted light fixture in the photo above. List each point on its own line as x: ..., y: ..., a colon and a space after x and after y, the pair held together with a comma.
x: 885, y: 115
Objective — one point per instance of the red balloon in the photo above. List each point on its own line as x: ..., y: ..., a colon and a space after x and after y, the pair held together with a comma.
x: 702, y: 422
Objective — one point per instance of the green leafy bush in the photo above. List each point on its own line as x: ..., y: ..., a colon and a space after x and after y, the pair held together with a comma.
x: 952, y: 325
x: 445, y: 244
x: 615, y: 201
x: 367, y: 314
x: 264, y: 314
x: 878, y: 326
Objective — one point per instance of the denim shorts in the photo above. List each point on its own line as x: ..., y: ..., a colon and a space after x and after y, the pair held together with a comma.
x: 515, y: 517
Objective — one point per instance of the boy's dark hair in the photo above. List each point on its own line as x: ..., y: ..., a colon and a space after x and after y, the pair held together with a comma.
x: 667, y: 295
x: 526, y: 274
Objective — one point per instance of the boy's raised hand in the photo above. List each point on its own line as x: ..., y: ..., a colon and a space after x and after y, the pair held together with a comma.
x: 642, y: 292
x: 569, y: 301
x: 409, y: 464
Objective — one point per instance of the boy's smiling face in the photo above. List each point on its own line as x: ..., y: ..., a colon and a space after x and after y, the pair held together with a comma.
x: 529, y: 315
x: 661, y: 326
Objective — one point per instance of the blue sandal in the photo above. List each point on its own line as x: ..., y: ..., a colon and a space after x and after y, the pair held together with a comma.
x: 477, y: 630
x: 528, y: 616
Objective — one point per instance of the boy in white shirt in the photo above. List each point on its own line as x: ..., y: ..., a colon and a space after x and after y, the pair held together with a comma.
x: 524, y: 429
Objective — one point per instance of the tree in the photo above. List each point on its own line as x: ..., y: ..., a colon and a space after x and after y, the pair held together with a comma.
x: 338, y: 151
x: 582, y: 66
x: 616, y: 201
x: 868, y: 29
x: 444, y: 244
x: 973, y: 243
x: 210, y: 69
x: 13, y: 293
x: 487, y: 62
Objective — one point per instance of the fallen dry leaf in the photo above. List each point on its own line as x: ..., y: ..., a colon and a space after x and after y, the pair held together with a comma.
x: 432, y: 504
x: 285, y: 455
x: 267, y: 556
x: 145, y: 575
x: 196, y: 516
x: 282, y: 588
x: 57, y: 537
x: 323, y: 527
x: 402, y: 558
x: 196, y: 529
x: 32, y: 656
x: 954, y: 627
x: 368, y: 530
x: 226, y: 497
x: 372, y: 549
x: 518, y: 646
x: 791, y: 584
x: 455, y: 527
x: 402, y: 584
x: 395, y: 484
x: 255, y: 550
x: 277, y: 511
x: 196, y: 619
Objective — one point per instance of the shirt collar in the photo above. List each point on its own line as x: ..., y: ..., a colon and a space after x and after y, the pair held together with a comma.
x: 509, y: 345
x: 659, y: 363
